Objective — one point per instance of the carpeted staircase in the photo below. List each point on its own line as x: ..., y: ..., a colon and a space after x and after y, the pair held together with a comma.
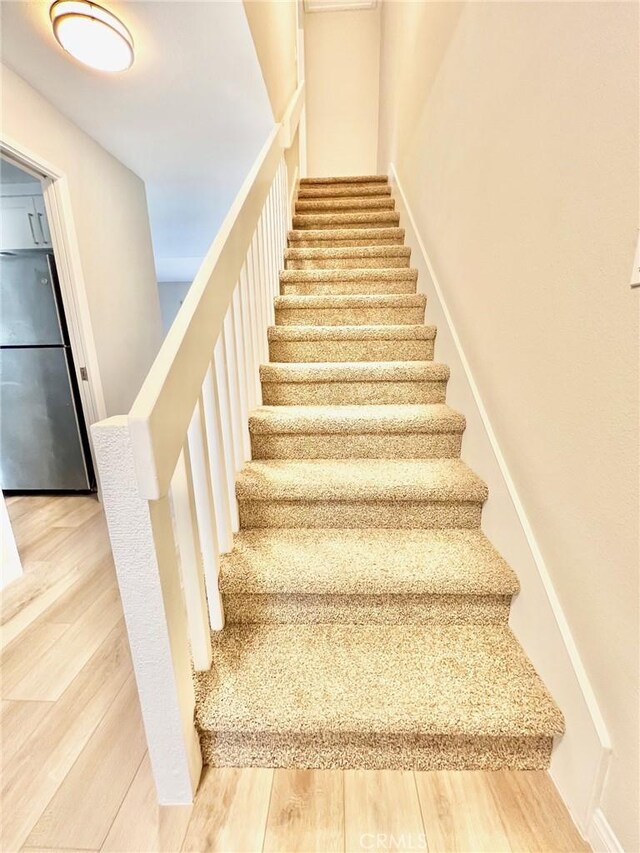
x: 366, y: 611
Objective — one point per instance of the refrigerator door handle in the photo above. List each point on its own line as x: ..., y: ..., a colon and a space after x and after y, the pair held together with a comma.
x: 42, y: 231
x: 33, y: 230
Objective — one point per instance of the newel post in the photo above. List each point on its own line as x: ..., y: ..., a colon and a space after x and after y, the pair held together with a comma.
x: 148, y: 575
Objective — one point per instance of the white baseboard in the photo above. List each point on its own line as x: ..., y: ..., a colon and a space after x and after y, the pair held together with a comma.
x: 600, y: 835
x: 581, y: 755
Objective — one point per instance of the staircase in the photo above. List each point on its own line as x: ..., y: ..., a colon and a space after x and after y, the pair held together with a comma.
x: 366, y: 611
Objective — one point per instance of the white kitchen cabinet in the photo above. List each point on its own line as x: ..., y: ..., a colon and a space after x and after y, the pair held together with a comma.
x: 23, y: 223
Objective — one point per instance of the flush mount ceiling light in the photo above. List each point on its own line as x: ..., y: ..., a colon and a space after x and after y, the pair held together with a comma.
x: 92, y: 35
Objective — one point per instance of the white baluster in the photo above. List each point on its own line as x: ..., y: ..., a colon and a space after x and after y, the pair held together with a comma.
x: 285, y: 206
x: 280, y: 217
x: 255, y: 315
x: 274, y: 241
x: 205, y: 512
x: 225, y: 509
x: 228, y: 336
x: 265, y: 290
x: 247, y: 334
x: 240, y: 345
x: 224, y: 408
x: 191, y: 568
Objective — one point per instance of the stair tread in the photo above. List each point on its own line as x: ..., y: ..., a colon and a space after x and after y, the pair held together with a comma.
x: 354, y: 371
x: 346, y: 234
x: 337, y: 219
x: 351, y: 333
x: 359, y: 480
x: 320, y: 205
x: 348, y: 252
x: 346, y: 179
x: 352, y: 300
x: 460, y: 680
x: 425, y: 417
x: 355, y: 274
x: 365, y: 562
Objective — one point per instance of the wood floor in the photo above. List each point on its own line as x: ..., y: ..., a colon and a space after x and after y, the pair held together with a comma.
x: 75, y: 771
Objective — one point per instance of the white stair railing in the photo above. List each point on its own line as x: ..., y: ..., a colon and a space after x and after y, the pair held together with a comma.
x: 167, y: 469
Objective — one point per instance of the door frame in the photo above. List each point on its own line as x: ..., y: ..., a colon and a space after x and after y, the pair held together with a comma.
x: 57, y: 202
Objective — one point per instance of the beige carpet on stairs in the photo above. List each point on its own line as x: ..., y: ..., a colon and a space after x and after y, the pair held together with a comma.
x: 367, y: 613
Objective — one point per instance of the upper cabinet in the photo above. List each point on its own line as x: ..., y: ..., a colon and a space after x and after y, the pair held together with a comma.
x: 23, y: 223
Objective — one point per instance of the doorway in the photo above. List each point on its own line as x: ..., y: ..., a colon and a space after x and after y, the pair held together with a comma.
x: 44, y: 442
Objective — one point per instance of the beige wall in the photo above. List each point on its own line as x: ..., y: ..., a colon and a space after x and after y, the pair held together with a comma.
x: 514, y: 127
x: 341, y: 76
x: 111, y: 224
x: 274, y: 30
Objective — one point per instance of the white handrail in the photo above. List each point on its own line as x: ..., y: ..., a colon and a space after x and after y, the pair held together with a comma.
x: 161, y: 412
x: 167, y: 470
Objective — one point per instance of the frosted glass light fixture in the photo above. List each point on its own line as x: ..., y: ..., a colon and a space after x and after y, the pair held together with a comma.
x: 92, y: 34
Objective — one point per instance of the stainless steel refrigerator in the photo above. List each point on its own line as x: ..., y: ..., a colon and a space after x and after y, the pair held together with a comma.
x: 43, y: 438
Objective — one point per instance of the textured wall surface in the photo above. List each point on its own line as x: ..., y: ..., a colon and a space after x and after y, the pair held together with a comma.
x: 514, y: 129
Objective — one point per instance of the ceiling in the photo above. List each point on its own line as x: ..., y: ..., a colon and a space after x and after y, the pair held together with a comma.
x: 189, y: 117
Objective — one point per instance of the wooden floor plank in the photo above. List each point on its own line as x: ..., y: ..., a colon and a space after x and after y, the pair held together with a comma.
x: 230, y: 812
x: 306, y: 811
x: 84, y: 806
x: 29, y: 596
x: 18, y: 721
x: 142, y: 825
x: 80, y: 511
x: 459, y: 812
x: 16, y: 661
x: 66, y: 850
x: 50, y: 674
x: 72, y: 604
x: 31, y: 779
x: 533, y: 815
x: 382, y: 811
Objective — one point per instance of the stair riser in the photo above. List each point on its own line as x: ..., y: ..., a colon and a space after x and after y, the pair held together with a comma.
x: 344, y: 242
x: 375, y: 751
x: 343, y: 191
x: 336, y: 351
x: 344, y: 205
x: 347, y: 288
x: 356, y: 446
x: 367, y: 609
x: 351, y: 393
x: 386, y: 514
x: 347, y: 263
x: 349, y: 316
x: 358, y: 221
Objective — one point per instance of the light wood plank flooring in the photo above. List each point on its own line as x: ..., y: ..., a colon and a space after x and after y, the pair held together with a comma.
x: 75, y: 770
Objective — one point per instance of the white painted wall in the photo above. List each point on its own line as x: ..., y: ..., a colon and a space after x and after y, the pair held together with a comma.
x: 341, y: 52
x: 514, y: 128
x: 111, y: 225
x: 172, y: 294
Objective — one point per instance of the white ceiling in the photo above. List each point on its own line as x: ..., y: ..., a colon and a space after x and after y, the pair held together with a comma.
x: 189, y: 117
